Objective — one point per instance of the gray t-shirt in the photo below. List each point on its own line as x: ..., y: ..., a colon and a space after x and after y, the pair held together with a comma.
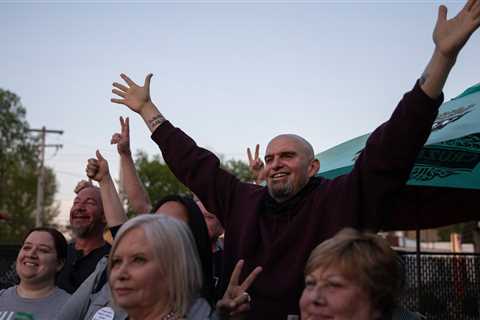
x: 40, y: 309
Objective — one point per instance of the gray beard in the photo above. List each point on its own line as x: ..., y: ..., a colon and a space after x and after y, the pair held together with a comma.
x: 281, y: 193
x: 82, y: 232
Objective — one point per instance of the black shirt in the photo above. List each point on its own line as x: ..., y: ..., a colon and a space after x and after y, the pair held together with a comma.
x: 78, y: 266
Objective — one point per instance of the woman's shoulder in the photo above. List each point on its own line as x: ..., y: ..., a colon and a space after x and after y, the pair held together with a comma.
x: 8, y: 292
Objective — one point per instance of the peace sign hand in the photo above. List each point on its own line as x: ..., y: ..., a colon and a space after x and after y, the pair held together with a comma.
x: 236, y: 301
x: 122, y: 139
x: 256, y: 165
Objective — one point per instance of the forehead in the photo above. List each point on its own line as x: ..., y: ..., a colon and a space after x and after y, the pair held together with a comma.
x: 134, y: 240
x: 335, y: 268
x: 89, y: 193
x: 40, y: 238
x: 324, y: 272
x: 285, y: 144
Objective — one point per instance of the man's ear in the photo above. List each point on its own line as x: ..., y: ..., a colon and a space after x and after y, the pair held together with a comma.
x: 313, y: 167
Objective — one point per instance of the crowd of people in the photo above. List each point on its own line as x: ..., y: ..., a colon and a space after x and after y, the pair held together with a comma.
x: 290, y: 245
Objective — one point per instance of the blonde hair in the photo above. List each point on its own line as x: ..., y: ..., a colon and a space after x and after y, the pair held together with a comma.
x: 175, y: 250
x: 366, y: 259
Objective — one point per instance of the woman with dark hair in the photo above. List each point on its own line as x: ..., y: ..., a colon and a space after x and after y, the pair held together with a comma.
x: 39, y: 261
x: 198, y: 227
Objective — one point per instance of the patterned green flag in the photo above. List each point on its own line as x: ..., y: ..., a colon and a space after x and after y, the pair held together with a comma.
x: 449, y: 158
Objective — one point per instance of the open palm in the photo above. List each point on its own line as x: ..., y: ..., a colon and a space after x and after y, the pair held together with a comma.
x: 451, y: 35
x: 133, y: 96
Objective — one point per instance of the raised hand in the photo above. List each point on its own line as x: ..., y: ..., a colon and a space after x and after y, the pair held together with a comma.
x: 122, y: 139
x: 97, y: 169
x: 451, y: 35
x: 256, y: 164
x: 133, y: 96
x: 236, y: 300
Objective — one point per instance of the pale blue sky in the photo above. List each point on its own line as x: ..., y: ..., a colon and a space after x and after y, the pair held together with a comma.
x: 231, y: 74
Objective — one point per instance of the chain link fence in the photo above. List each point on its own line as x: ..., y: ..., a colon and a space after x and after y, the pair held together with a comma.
x: 443, y: 286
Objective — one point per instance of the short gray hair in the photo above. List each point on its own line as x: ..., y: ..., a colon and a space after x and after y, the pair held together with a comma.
x: 176, y: 252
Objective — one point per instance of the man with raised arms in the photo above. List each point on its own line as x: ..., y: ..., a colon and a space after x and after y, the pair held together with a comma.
x: 277, y: 226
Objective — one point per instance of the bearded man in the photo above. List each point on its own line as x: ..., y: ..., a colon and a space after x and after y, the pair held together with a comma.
x: 277, y: 226
x: 87, y: 222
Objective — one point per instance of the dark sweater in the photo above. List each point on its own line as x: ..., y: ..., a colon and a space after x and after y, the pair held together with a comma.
x: 280, y: 237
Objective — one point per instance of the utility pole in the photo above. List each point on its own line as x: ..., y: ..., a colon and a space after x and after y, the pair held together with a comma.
x: 41, y: 174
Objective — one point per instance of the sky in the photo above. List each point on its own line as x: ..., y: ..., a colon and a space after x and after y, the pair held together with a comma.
x: 229, y: 73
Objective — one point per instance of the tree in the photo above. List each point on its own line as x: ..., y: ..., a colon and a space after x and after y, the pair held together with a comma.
x: 159, y: 181
x: 240, y: 169
x: 157, y: 178
x: 19, y: 171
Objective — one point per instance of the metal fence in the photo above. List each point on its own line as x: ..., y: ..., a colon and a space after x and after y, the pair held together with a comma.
x: 443, y: 286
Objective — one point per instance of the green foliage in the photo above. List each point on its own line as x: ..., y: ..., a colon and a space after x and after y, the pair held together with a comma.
x: 157, y: 178
x: 18, y: 172
x: 240, y: 169
x: 159, y: 181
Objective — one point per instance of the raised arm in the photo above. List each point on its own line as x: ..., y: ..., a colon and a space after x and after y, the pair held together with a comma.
x: 197, y: 168
x: 449, y: 37
x: 97, y: 169
x: 136, y: 194
x: 383, y: 167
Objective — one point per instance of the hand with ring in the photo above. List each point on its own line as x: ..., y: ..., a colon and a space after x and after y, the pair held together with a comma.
x: 236, y: 300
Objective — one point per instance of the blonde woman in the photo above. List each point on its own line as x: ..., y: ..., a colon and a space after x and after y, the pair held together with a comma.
x: 353, y: 275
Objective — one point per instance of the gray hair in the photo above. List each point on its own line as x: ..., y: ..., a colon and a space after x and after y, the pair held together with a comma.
x: 176, y: 252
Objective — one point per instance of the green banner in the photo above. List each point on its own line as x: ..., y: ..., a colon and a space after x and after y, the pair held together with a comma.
x: 449, y: 158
